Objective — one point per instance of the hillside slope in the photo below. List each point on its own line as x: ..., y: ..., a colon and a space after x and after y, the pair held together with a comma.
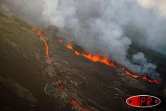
x: 21, y: 58
x: 73, y: 82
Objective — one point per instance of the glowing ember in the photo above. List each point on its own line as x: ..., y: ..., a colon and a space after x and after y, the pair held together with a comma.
x: 62, y: 87
x: 61, y: 41
x: 45, y: 42
x: 70, y: 47
x: 144, y: 77
x: 59, y: 80
x: 98, y: 58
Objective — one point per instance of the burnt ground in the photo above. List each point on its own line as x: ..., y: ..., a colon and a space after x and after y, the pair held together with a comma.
x: 95, y: 86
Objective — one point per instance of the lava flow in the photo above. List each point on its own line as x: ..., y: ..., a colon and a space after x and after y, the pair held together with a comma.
x: 98, y: 58
x: 94, y: 58
x: 59, y: 80
x: 79, y: 106
x: 62, y: 87
x: 45, y: 42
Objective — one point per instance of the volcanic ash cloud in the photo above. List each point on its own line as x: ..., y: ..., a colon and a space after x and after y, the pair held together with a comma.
x: 103, y: 26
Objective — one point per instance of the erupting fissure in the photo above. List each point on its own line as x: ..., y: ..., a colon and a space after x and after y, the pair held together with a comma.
x: 94, y: 58
x: 45, y: 42
x: 99, y: 58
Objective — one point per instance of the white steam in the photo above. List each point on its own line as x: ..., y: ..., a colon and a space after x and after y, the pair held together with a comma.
x: 102, y: 26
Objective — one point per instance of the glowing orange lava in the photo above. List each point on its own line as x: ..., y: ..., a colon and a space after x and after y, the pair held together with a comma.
x: 130, y: 74
x: 79, y: 106
x: 98, y: 58
x: 45, y: 42
x: 141, y: 77
x: 62, y: 87
x: 94, y: 58
x: 59, y: 80
x: 61, y: 41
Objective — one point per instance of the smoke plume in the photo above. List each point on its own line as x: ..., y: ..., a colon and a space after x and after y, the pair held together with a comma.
x: 107, y: 27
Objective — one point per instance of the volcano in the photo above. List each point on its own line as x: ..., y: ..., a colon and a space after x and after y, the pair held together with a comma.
x: 52, y: 74
x: 98, y: 61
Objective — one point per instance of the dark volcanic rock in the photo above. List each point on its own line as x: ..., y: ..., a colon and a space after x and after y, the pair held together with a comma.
x: 92, y: 84
x: 69, y: 78
x: 21, y: 63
